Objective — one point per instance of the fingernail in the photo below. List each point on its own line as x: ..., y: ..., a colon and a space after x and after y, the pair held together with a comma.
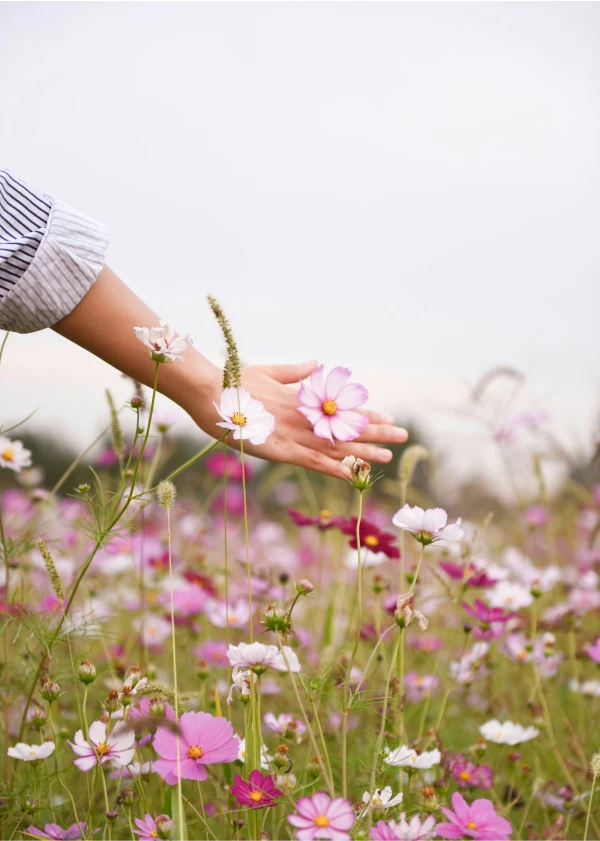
x: 387, y: 455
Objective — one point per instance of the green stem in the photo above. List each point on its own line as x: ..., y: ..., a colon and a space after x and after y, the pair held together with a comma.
x: 175, y: 682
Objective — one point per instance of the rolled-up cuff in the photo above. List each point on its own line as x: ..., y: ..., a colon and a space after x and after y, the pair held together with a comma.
x: 66, y: 264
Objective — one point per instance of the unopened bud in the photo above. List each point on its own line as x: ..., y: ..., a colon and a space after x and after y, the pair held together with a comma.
x: 202, y: 670
x: 281, y: 757
x: 137, y: 402
x: 50, y: 690
x: 83, y: 488
x: 286, y: 783
x: 86, y: 672
x: 166, y: 494
x: 30, y: 805
x: 429, y: 802
x: 315, y: 766
x: 276, y: 619
x: 157, y: 708
x: 127, y: 797
x: 304, y: 586
x: 360, y: 470
x: 112, y: 815
x: 112, y: 702
x: 164, y: 827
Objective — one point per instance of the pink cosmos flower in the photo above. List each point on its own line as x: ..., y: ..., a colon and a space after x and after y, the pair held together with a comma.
x: 323, y: 521
x: 245, y: 416
x: 220, y: 463
x: 470, y: 574
x: 56, y: 833
x: 237, y: 615
x: 117, y: 747
x: 478, y: 821
x: 146, y: 828
x: 418, y: 687
x: 593, y: 651
x: 469, y: 775
x: 286, y: 725
x: 188, y: 601
x: 328, y: 404
x: 258, y: 793
x: 486, y: 615
x: 321, y: 817
x: 374, y: 538
x: 205, y: 739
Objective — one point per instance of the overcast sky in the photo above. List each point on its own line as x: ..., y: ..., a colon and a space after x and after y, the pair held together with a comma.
x: 409, y: 189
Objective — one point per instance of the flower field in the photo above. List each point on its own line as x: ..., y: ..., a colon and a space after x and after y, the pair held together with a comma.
x: 216, y: 651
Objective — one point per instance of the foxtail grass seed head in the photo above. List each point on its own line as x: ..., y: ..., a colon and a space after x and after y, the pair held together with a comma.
x: 411, y: 457
x: 595, y: 764
x: 232, y: 367
x: 51, y: 570
x: 115, y: 428
x: 86, y: 672
x: 166, y: 493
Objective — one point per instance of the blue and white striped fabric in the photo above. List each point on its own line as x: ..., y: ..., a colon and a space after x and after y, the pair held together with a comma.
x: 50, y: 255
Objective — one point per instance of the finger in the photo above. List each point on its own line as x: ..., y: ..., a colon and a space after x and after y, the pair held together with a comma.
x: 319, y: 462
x: 338, y: 450
x: 383, y: 434
x: 376, y: 417
x: 288, y: 374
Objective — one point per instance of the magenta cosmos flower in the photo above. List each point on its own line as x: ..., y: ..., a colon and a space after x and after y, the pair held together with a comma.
x: 258, y: 793
x: 204, y: 740
x: 323, y: 521
x: 321, y: 817
x: 117, y: 747
x: 328, y: 404
x: 371, y: 536
x: 469, y: 574
x: 57, y: 833
x: 486, y: 615
x: 478, y: 821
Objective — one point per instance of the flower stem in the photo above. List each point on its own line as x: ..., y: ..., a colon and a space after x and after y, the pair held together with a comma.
x: 175, y: 682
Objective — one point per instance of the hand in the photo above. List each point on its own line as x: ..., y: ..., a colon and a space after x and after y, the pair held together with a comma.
x: 293, y: 440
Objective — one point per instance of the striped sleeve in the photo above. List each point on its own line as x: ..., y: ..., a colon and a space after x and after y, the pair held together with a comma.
x: 50, y: 255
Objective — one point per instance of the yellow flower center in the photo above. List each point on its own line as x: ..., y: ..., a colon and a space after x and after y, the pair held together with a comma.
x: 465, y: 775
x: 239, y: 419
x: 195, y: 752
x: 8, y: 454
x: 32, y: 752
x: 467, y: 571
x: 257, y: 796
x: 325, y: 514
x: 329, y: 408
x: 321, y: 820
x: 232, y: 619
x: 522, y: 655
x: 371, y: 540
x: 154, y: 834
x: 102, y: 749
x: 376, y: 801
x: 471, y: 825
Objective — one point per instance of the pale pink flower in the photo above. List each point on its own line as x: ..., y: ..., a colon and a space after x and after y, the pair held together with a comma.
x: 162, y: 343
x: 237, y: 616
x: 328, y: 404
x: 245, y: 416
x: 205, y: 739
x: 117, y: 747
x: 13, y: 455
x: 427, y: 526
x: 321, y: 817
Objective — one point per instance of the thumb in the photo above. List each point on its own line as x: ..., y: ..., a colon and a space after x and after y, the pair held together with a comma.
x: 290, y: 373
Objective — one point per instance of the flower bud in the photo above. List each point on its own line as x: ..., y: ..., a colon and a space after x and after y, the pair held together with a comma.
x: 238, y: 824
x: 112, y: 702
x: 132, y: 677
x: 276, y: 619
x: 127, y: 797
x: 281, y: 757
x: 137, y: 402
x: 112, y: 815
x: 202, y: 670
x: 30, y: 805
x: 157, y: 708
x: 164, y: 827
x: 263, y: 836
x: 360, y: 470
x: 380, y: 583
x: 126, y: 698
x: 429, y: 802
x: 286, y: 783
x: 304, y: 586
x: 166, y: 494
x: 50, y: 690
x: 83, y: 488
x: 315, y: 766
x: 86, y: 672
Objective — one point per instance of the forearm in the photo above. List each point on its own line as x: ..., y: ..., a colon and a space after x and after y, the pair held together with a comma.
x: 103, y: 323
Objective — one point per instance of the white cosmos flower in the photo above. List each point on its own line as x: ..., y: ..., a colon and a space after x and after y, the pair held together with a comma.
x: 241, y: 680
x: 507, y: 732
x: 255, y: 656
x: 245, y: 416
x: 162, y: 343
x: 405, y: 757
x: 13, y: 455
x: 463, y: 670
x: 511, y: 596
x: 31, y: 752
x: 427, y: 526
x: 591, y: 688
x: 381, y: 798
x: 281, y: 663
x: 368, y: 558
x: 265, y: 757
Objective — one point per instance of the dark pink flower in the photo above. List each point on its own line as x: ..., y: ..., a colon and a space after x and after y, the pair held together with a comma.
x: 486, y: 615
x: 219, y: 463
x: 258, y: 793
x: 478, y: 821
x: 328, y: 404
x: 371, y: 536
x: 469, y: 775
x: 322, y: 521
x: 468, y: 573
x: 56, y: 833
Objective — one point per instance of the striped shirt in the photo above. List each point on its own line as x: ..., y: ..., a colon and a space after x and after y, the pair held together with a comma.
x: 50, y: 255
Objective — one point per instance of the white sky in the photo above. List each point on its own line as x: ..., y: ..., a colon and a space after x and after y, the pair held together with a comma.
x: 409, y: 189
